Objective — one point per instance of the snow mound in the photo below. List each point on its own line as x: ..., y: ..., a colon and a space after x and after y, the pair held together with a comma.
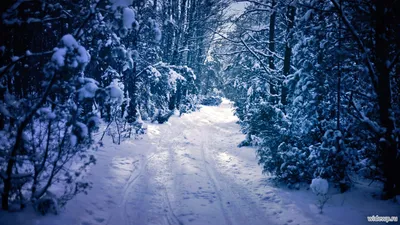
x: 128, y: 17
x: 319, y: 186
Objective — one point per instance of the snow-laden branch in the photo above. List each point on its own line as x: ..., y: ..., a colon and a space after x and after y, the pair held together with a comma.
x: 250, y: 11
x: 223, y: 36
x: 16, y: 59
x: 353, y: 31
x: 258, y: 3
x: 271, y: 53
x: 394, y: 61
x: 232, y: 53
x: 92, y: 12
x: 374, y: 127
x: 33, y: 20
x: 260, y: 61
x: 308, y: 6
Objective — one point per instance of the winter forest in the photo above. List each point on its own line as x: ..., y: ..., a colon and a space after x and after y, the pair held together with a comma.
x: 199, y: 112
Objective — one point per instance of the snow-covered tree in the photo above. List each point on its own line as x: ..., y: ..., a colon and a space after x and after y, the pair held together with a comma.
x: 314, y: 90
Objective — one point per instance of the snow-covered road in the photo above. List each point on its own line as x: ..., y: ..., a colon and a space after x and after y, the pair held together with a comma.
x: 192, y: 174
x: 190, y: 171
x: 187, y: 171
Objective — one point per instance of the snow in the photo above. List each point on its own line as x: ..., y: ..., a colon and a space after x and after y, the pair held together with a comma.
x: 69, y: 41
x: 70, y: 45
x: 73, y: 139
x: 83, y: 56
x: 83, y: 130
x: 174, y: 76
x: 308, y: 15
x: 115, y: 91
x: 47, y: 113
x: 59, y: 56
x: 128, y: 17
x: 87, y: 91
x: 190, y: 171
x: 108, y: 43
x: 319, y: 186
x: 121, y: 3
x: 157, y: 32
x: 250, y: 91
x: 154, y: 72
x: 4, y: 111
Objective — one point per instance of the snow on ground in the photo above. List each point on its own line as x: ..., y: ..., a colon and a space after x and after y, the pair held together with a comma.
x: 190, y: 171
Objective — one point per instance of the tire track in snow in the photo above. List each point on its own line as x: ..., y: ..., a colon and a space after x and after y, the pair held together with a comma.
x: 217, y: 189
x: 171, y: 216
x: 149, y: 187
x: 128, y: 188
x: 241, y: 208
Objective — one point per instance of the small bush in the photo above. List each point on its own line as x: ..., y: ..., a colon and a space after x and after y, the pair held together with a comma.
x: 46, y: 205
x: 212, y: 101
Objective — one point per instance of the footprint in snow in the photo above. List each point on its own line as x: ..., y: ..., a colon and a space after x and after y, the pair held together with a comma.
x: 266, y: 198
x: 100, y: 220
x: 110, y: 202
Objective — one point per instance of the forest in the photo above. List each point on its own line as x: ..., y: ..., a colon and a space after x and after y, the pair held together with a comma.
x: 315, y: 85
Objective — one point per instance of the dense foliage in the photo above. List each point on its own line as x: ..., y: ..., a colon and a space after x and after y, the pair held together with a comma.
x: 315, y: 87
x: 67, y: 66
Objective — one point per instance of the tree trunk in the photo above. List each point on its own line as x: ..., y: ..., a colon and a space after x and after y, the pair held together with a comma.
x: 271, y: 46
x: 388, y: 144
x: 288, y: 52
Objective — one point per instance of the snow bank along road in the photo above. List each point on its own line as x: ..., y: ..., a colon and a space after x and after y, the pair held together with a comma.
x: 188, y: 171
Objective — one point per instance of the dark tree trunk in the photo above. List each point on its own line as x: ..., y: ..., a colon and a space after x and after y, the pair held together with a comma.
x: 288, y: 52
x: 388, y: 145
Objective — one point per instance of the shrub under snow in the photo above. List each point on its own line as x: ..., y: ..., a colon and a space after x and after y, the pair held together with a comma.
x: 319, y: 186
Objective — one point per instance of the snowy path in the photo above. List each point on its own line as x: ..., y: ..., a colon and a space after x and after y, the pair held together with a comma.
x: 190, y: 172
x: 190, y: 176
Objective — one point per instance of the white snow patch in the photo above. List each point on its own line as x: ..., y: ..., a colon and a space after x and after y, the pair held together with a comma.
x: 319, y: 186
x: 115, y: 91
x: 128, y: 17
x: 174, y: 76
x: 83, y: 129
x: 87, y: 91
x: 69, y: 41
